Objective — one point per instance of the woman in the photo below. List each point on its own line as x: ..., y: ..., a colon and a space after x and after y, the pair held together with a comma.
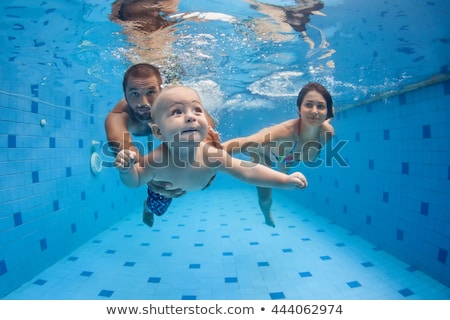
x: 292, y: 141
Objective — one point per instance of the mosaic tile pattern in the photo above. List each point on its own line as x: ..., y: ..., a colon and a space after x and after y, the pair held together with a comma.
x: 213, y: 245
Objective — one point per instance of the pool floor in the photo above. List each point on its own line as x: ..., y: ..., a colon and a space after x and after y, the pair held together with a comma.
x: 213, y: 245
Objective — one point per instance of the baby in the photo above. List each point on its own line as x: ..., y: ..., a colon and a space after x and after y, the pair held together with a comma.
x: 185, y: 158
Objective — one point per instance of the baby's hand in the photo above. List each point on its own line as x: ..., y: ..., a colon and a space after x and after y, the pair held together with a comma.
x: 297, y: 180
x: 125, y: 160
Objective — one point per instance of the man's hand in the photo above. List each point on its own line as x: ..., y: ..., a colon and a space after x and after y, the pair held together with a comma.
x: 161, y: 187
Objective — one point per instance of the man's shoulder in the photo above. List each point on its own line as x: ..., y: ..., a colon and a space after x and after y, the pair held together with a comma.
x: 120, y: 107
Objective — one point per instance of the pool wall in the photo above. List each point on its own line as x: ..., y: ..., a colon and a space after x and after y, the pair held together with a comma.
x: 395, y: 190
x: 51, y: 202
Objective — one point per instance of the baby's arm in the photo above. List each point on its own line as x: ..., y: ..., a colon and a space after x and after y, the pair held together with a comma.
x: 260, y: 175
x: 132, y: 173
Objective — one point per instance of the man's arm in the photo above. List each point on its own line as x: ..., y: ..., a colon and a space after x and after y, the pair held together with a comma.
x: 117, y: 132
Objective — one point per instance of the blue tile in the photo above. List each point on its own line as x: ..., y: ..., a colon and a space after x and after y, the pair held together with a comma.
x: 34, y: 107
x: 405, y: 168
x: 198, y: 244
x: 68, y: 172
x: 17, y: 219
x: 55, y: 205
x: 52, y: 142
x: 194, y: 266
x: 43, y: 244
x: 154, y: 280
x: 40, y: 282
x: 106, y: 293
x: 442, y: 255
x: 386, y: 134
x: 3, y: 268
x: 340, y: 244
x: 263, y: 264
x: 426, y: 131
x: 446, y: 86
x: 277, y: 295
x: 11, y: 141
x: 166, y: 254
x: 368, y: 220
x: 324, y: 258
x: 80, y: 143
x: 371, y: 164
x: 367, y: 264
x: 86, y: 273
x: 35, y: 176
x: 424, y: 206
x: 399, y: 235
x: 305, y: 274
x: 34, y: 88
x: 72, y: 258
x: 406, y: 292
x: 73, y: 228
x: 231, y: 280
x: 129, y: 264
x: 385, y: 196
x: 110, y: 251
x: 188, y: 297
x: 306, y: 239
x: 357, y: 188
x: 254, y: 243
x: 354, y: 284
x: 227, y: 253
x: 287, y: 250
x: 402, y: 99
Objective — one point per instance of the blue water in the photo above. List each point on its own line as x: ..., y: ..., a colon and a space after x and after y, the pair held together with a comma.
x: 377, y: 229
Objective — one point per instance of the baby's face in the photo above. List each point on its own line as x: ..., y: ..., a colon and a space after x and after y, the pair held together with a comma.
x: 178, y: 116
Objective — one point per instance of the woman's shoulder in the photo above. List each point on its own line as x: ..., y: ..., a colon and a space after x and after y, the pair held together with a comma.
x: 284, y: 130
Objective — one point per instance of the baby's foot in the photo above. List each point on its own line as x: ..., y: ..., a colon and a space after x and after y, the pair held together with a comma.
x: 147, y: 216
x: 269, y: 221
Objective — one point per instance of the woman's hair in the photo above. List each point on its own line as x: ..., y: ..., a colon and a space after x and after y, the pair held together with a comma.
x: 141, y: 70
x: 314, y: 86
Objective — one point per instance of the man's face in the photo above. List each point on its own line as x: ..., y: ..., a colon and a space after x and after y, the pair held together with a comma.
x: 140, y: 93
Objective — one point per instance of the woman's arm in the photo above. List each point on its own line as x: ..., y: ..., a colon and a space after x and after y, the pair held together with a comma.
x: 265, y: 138
x: 260, y: 175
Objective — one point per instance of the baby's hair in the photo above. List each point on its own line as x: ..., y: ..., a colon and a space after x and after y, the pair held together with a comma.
x: 163, y: 91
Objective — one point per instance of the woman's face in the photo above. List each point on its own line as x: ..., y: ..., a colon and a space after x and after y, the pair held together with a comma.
x: 313, y: 109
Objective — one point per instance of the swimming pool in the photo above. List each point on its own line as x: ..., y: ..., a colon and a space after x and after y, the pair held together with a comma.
x: 376, y: 228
